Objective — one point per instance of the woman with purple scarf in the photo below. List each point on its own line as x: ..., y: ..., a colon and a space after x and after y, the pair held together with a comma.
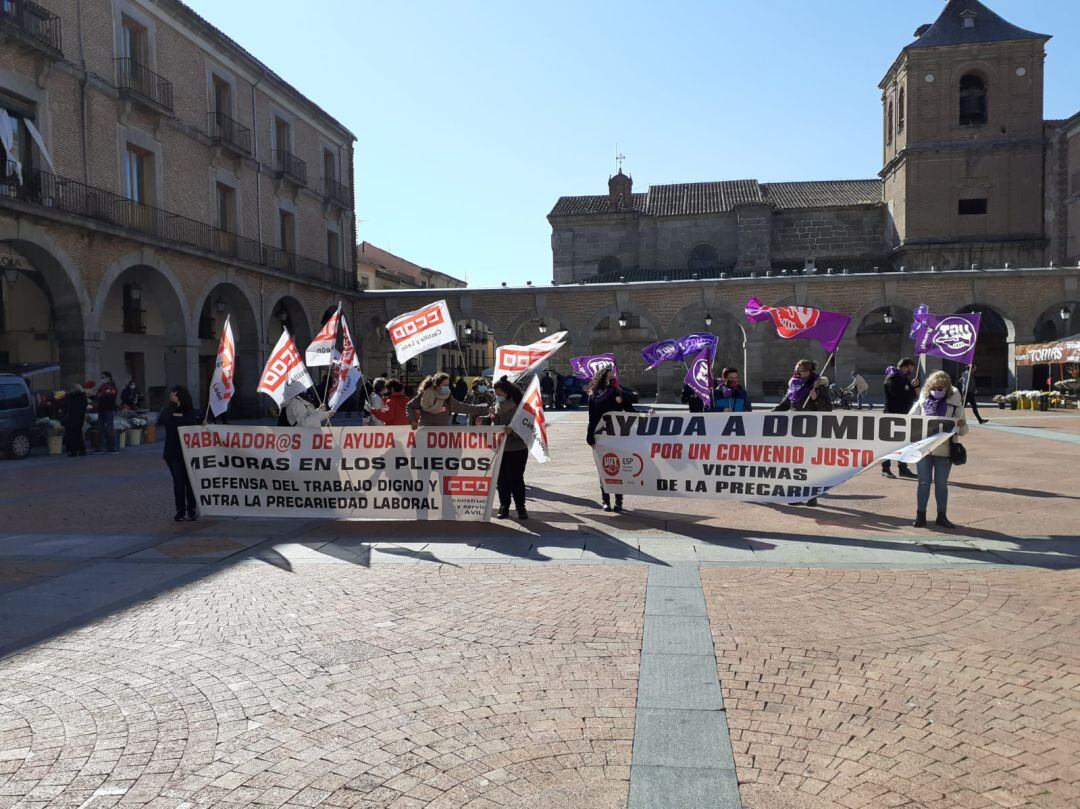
x: 937, y: 398
x: 806, y: 389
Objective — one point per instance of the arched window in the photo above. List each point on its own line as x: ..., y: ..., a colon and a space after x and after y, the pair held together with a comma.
x: 889, y: 124
x: 608, y: 264
x: 703, y: 258
x: 972, y: 100
x: 901, y: 108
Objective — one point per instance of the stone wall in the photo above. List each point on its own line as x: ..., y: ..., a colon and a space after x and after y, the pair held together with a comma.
x: 827, y: 233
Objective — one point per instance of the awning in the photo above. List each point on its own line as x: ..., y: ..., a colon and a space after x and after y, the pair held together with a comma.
x: 40, y: 142
x: 1059, y: 352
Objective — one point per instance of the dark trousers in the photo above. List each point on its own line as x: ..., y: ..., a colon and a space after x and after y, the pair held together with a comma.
x: 108, y: 431
x: 886, y: 466
x: 511, y: 481
x: 606, y: 498
x: 76, y: 442
x: 974, y: 405
x: 181, y: 487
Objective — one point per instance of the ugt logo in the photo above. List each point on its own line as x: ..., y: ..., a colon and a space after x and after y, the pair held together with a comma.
x: 420, y: 322
x: 466, y: 485
x: 701, y: 373
x: 611, y: 464
x: 792, y: 321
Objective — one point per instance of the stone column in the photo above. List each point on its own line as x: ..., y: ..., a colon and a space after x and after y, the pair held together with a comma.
x: 753, y: 371
x: 1021, y: 378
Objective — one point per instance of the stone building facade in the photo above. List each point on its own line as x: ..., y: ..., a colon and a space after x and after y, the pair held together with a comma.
x: 971, y: 174
x: 157, y: 178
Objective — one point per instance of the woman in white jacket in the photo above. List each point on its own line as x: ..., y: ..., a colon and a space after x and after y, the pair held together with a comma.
x: 939, y: 398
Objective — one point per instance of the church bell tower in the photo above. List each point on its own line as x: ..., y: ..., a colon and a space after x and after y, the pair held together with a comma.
x: 962, y: 118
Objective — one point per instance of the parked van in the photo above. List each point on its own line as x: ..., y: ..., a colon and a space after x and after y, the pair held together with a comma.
x: 17, y: 416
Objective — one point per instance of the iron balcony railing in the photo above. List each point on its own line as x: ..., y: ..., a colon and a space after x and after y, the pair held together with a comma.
x: 134, y: 320
x: 33, y: 23
x: 336, y: 192
x: 64, y: 195
x: 221, y: 127
x: 141, y: 81
x: 291, y: 166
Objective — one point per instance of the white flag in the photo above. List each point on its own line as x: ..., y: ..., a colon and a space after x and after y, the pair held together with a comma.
x: 285, y: 375
x: 516, y: 361
x: 415, y: 332
x: 221, y: 386
x: 557, y: 337
x: 530, y: 424
x: 346, y: 372
x: 323, y: 349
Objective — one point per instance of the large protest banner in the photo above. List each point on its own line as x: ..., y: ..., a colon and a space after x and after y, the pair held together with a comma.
x: 376, y: 473
x: 756, y: 457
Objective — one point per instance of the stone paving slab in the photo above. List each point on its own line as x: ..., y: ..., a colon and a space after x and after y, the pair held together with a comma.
x: 683, y: 788
x: 679, y: 682
x: 672, y: 737
x: 674, y: 635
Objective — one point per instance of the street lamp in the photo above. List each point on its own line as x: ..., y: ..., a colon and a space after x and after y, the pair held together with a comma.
x: 11, y: 275
x: 708, y: 319
x: 468, y: 330
x: 888, y: 318
x: 623, y: 320
x: 1065, y: 313
x: 542, y: 327
x: 219, y: 305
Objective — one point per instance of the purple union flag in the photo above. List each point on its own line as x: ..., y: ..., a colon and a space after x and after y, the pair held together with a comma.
x: 951, y: 337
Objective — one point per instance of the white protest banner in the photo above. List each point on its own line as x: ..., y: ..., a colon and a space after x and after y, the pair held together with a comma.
x: 284, y: 375
x: 415, y: 332
x: 516, y: 361
x: 221, y: 386
x: 756, y: 457
x: 374, y: 473
x: 346, y: 376
x: 323, y: 349
x: 529, y: 422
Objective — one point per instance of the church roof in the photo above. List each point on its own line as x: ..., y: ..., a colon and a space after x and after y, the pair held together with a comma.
x: 949, y: 27
x: 593, y: 204
x: 823, y: 194
x: 694, y: 199
x: 688, y: 199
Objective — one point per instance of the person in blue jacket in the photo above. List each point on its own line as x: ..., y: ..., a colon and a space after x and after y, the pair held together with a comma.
x: 729, y: 395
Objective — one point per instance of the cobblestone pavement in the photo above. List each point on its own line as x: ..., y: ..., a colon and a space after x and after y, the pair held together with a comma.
x: 336, y: 685
x: 861, y: 663
x: 883, y: 688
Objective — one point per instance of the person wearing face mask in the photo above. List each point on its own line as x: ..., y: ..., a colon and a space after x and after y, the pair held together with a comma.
x: 605, y: 396
x: 729, y: 395
x: 901, y: 389
x: 179, y: 412
x: 807, y: 390
x: 938, y: 398
x: 434, y: 404
x: 511, y: 481
x: 480, y: 393
x: 394, y: 404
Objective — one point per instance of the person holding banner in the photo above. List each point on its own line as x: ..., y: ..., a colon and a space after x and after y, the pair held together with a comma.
x: 434, y: 404
x: 605, y: 396
x: 180, y: 412
x: 807, y: 390
x: 394, y: 403
x: 901, y: 388
x: 480, y: 394
x: 511, y: 482
x: 940, y: 399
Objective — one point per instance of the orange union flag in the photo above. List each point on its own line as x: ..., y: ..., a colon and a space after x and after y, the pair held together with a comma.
x: 221, y: 386
x: 285, y: 375
x: 415, y: 332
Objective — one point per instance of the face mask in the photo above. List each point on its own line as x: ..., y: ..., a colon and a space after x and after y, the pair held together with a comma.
x: 481, y: 388
x: 938, y: 394
x: 500, y: 398
x: 443, y: 391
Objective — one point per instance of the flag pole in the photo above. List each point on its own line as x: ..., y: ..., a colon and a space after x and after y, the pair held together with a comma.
x: 824, y: 368
x: 330, y: 368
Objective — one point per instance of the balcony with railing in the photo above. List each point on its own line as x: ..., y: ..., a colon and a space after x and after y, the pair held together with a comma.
x: 32, y: 25
x: 228, y: 133
x: 60, y: 195
x: 288, y: 165
x: 134, y: 320
x: 335, y: 192
x: 144, y: 85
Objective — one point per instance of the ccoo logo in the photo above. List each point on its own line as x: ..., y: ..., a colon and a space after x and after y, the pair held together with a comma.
x: 792, y: 321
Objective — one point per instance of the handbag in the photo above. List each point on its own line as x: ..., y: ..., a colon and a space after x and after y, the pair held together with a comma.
x: 957, y: 453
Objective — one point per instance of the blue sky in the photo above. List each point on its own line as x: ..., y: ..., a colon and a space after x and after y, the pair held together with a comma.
x: 472, y: 118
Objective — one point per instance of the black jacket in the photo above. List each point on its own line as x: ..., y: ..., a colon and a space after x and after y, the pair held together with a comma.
x: 900, y: 394
x: 603, y: 402
x: 170, y: 420
x: 75, y: 411
x: 690, y: 397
